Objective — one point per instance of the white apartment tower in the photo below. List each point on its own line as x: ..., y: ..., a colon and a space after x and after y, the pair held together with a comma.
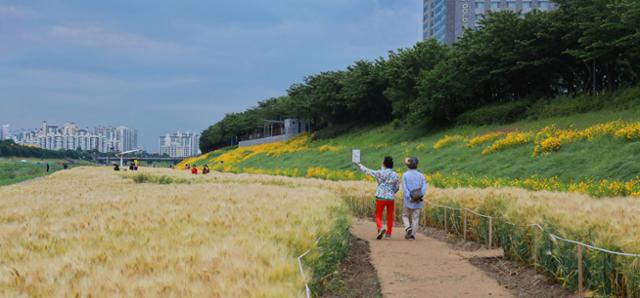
x: 180, y: 144
x: 5, y: 133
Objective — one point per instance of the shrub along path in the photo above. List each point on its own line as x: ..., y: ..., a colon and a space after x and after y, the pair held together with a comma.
x: 425, y: 267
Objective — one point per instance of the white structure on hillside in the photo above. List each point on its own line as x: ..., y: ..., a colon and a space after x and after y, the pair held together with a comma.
x: 284, y: 131
x: 70, y: 137
x: 180, y: 144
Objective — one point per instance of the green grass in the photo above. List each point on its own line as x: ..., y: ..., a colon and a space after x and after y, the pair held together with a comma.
x: 14, y: 170
x: 603, y: 158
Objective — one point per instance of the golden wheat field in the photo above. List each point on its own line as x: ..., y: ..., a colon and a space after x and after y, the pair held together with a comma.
x: 92, y: 232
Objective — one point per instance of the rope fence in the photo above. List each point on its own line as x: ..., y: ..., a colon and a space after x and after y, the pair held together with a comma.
x: 553, y: 237
x: 307, y: 290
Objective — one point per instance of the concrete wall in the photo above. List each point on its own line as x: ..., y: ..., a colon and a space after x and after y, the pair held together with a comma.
x: 280, y: 138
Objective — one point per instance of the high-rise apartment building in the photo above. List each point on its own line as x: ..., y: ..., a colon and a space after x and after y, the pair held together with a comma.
x: 70, y: 137
x: 127, y: 138
x: 5, y: 132
x: 446, y: 20
x: 180, y: 144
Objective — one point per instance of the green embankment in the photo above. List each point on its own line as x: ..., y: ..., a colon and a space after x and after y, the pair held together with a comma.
x: 604, y: 157
x: 14, y: 170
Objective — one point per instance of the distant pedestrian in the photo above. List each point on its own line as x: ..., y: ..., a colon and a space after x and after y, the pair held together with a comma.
x: 194, y: 170
x: 205, y: 170
x: 414, y: 187
x: 47, y: 167
x: 388, y: 186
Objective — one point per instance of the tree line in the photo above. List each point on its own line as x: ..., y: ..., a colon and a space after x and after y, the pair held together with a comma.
x: 8, y: 148
x: 584, y: 46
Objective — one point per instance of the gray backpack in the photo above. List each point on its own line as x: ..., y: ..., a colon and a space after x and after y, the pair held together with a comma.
x: 416, y: 195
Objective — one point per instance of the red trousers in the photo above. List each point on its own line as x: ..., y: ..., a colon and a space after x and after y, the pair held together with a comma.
x: 380, y: 205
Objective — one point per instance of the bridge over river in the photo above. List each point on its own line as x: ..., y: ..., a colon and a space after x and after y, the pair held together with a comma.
x: 114, y: 159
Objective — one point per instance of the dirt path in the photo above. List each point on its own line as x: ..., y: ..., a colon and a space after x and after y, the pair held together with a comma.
x: 426, y: 267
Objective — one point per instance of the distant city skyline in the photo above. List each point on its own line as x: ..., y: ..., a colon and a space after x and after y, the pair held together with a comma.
x: 70, y: 136
x: 179, y: 65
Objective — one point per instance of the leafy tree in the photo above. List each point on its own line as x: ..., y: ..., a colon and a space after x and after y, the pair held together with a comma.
x: 402, y: 70
x: 363, y: 92
x: 585, y: 45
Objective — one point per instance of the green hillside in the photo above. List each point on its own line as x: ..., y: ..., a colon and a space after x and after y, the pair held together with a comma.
x: 603, y: 155
x: 540, y: 100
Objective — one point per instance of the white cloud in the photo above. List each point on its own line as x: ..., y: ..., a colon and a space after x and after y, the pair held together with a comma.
x: 12, y: 11
x: 100, y: 38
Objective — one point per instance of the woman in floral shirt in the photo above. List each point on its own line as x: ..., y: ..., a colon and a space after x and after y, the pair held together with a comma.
x: 388, y: 186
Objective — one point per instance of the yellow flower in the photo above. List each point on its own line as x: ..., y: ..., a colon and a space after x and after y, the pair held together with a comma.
x: 325, y: 148
x: 630, y: 132
x: 481, y: 139
x: 447, y: 140
x: 510, y: 140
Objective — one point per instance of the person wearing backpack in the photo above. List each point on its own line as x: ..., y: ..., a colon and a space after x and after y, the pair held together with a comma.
x: 388, y: 186
x: 414, y: 187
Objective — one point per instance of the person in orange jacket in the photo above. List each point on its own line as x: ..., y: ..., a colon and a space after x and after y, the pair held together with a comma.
x: 194, y: 170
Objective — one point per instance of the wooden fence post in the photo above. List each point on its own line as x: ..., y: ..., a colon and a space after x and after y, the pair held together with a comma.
x: 445, y: 220
x: 464, y: 215
x: 490, y: 231
x: 580, y: 273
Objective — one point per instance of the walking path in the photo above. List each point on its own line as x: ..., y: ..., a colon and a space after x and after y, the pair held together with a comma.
x: 425, y: 267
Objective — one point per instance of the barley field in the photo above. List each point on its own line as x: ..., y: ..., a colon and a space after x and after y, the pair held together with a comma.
x: 93, y: 232
x: 611, y: 223
x: 160, y: 232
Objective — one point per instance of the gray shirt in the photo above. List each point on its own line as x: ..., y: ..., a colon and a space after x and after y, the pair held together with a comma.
x: 411, y: 180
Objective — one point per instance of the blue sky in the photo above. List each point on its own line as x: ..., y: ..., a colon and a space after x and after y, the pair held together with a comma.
x: 161, y: 66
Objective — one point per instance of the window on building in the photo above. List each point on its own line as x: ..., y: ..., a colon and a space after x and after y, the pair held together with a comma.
x: 495, y: 4
x: 544, y: 5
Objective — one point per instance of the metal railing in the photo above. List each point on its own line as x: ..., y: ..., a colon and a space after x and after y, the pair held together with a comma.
x: 579, y: 245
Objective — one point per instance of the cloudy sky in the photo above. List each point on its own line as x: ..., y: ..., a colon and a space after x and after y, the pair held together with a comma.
x: 161, y: 66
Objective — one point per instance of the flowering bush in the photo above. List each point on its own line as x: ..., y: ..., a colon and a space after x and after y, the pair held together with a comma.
x: 481, y: 139
x: 271, y: 149
x: 447, y: 140
x: 597, y: 188
x: 630, y: 132
x: 328, y: 174
x: 510, y: 140
x: 551, y: 138
x: 325, y: 148
x: 550, y: 144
